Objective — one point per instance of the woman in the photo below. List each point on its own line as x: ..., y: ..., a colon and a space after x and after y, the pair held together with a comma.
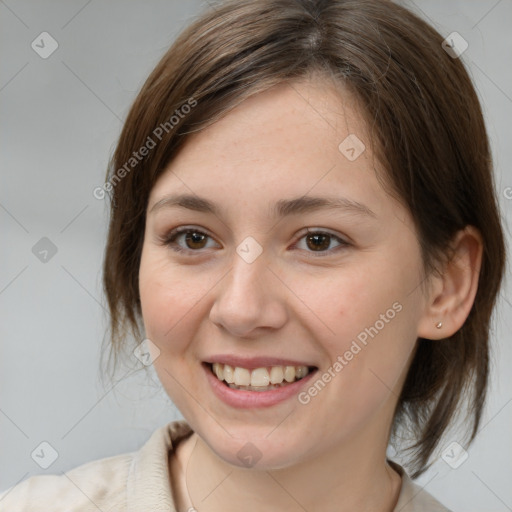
x: 304, y: 232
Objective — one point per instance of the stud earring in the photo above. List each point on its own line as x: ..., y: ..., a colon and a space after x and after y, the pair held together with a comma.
x: 439, y: 325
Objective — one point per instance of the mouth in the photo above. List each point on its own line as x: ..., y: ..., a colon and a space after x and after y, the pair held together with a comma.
x: 265, y: 378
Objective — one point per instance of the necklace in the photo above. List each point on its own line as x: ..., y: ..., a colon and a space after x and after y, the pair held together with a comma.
x: 184, y: 485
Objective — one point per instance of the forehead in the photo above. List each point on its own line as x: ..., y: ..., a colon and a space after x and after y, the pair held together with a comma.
x: 288, y: 141
x: 306, y: 116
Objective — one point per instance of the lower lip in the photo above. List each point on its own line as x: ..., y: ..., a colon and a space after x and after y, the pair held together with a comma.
x: 250, y: 399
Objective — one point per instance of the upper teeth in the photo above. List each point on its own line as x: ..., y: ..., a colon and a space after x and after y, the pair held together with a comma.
x: 258, y: 376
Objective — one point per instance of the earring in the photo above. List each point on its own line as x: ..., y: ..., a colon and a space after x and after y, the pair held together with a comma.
x: 439, y: 325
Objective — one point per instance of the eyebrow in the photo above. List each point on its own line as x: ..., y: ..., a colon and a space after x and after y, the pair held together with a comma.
x: 282, y: 208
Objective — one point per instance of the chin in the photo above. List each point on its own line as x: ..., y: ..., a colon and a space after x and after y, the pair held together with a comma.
x: 249, y: 449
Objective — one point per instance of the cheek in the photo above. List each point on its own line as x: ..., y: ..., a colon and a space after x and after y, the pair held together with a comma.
x: 374, y: 334
x: 351, y: 303
x: 167, y: 299
x: 370, y: 320
x: 169, y: 302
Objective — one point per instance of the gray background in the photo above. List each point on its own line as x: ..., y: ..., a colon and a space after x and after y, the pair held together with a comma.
x: 61, y: 117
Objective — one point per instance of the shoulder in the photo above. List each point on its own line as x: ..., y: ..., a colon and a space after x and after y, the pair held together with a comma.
x: 414, y: 498
x: 76, y: 489
x: 108, y: 484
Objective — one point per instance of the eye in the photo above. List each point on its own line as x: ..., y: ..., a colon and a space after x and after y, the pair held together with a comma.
x: 319, y: 242
x: 194, y: 239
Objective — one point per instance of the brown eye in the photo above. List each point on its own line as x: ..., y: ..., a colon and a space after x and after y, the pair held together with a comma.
x: 318, y: 242
x: 195, y: 239
x: 187, y: 240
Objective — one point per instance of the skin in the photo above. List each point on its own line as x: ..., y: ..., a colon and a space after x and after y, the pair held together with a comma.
x: 292, y: 301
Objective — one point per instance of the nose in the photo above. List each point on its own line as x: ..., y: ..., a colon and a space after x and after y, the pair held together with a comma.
x: 250, y: 299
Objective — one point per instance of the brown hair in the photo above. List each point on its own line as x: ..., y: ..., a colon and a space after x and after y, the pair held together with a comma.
x: 427, y: 131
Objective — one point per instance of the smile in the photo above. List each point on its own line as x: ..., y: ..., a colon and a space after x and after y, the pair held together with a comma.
x: 258, y: 379
x: 246, y: 382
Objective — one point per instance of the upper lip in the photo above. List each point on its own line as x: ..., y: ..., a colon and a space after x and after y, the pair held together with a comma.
x: 254, y: 362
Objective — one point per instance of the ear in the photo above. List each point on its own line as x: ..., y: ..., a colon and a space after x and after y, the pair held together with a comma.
x: 453, y: 291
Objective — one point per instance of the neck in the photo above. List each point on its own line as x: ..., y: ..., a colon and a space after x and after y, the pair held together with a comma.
x: 352, y: 476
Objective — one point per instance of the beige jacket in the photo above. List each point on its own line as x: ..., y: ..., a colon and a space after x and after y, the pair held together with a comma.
x: 139, y: 482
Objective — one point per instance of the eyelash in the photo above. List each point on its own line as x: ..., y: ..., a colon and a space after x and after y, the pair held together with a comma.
x: 169, y: 240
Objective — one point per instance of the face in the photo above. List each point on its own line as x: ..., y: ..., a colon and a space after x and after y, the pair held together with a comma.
x: 268, y: 278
